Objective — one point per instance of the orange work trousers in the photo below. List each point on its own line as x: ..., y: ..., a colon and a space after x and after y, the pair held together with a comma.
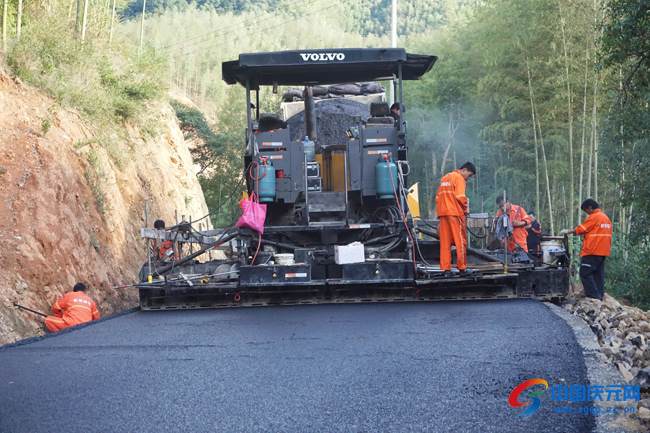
x: 452, y: 232
x: 56, y: 323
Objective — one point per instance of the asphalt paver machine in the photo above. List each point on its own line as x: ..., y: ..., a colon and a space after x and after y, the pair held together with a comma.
x: 338, y: 225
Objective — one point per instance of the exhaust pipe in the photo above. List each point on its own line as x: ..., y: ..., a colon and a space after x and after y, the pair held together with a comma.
x: 310, y: 114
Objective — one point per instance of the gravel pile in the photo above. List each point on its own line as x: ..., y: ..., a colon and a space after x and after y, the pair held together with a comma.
x: 624, y: 335
x: 333, y: 117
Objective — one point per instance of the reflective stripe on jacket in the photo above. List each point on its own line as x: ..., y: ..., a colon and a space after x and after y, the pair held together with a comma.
x: 451, y: 200
x: 597, y: 229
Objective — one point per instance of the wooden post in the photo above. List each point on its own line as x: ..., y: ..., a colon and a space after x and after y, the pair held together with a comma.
x: 85, y: 21
x: 4, y: 25
x: 191, y: 242
x: 110, y: 36
x: 144, y: 4
x: 175, y: 246
x: 19, y: 19
x: 78, y: 18
x: 148, y: 244
x: 505, y: 247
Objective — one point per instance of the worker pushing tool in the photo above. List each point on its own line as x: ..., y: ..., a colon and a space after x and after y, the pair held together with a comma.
x: 596, y: 247
x: 72, y: 309
x: 452, y: 212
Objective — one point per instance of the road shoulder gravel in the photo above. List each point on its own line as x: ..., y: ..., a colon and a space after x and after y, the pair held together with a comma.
x: 599, y: 372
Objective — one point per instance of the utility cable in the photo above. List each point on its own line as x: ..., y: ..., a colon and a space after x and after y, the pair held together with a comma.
x: 235, y: 189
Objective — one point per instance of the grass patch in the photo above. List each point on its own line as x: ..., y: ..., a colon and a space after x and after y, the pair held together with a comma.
x: 94, y: 242
x: 96, y: 179
x: 96, y: 187
x: 82, y: 143
x: 108, y: 84
x: 46, y: 123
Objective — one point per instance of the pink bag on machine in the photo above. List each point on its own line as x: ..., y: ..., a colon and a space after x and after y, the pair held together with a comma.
x: 254, y: 214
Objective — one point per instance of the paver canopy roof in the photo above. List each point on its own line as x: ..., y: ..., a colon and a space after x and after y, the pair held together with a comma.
x: 331, y: 66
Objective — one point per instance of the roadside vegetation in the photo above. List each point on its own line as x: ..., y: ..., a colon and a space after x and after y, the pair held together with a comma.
x: 105, y: 78
x: 89, y: 70
x: 219, y: 157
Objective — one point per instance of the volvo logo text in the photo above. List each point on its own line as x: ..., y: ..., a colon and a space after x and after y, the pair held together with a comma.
x: 322, y: 57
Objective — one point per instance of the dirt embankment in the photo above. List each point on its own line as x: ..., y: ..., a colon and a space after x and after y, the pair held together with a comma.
x: 71, y: 207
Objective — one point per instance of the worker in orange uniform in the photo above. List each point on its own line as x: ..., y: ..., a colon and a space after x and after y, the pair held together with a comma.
x: 596, y: 246
x: 519, y: 220
x: 72, y: 309
x: 452, y: 213
x: 163, y: 248
x: 534, y: 237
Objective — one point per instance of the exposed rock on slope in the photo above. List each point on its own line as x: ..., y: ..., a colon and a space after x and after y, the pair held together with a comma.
x: 71, y: 207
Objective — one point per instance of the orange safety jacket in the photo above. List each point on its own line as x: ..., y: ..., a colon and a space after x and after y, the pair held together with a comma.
x: 597, y: 229
x: 75, y: 308
x: 162, y: 246
x: 451, y: 200
x: 519, y: 234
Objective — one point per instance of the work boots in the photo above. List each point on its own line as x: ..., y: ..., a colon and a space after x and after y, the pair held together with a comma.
x: 465, y: 273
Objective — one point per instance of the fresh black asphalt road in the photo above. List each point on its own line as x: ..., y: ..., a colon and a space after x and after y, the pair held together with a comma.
x: 419, y: 367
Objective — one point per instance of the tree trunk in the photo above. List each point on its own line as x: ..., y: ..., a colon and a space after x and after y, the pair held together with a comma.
x: 537, y: 207
x: 19, y: 19
x: 570, y: 112
x: 532, y: 113
x: 85, y: 21
x: 70, y: 9
x: 584, y: 133
x: 622, y: 218
x: 78, y: 20
x: 144, y: 4
x: 431, y: 184
x: 596, y: 161
x: 452, y: 131
x: 110, y: 36
x: 4, y: 25
x: 629, y: 220
x: 593, y: 135
x: 594, y: 121
x: 548, y: 183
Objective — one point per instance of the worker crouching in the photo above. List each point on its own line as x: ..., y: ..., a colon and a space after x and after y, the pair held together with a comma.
x: 72, y: 309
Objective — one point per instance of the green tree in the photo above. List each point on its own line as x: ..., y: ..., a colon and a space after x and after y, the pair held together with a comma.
x: 626, y: 50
